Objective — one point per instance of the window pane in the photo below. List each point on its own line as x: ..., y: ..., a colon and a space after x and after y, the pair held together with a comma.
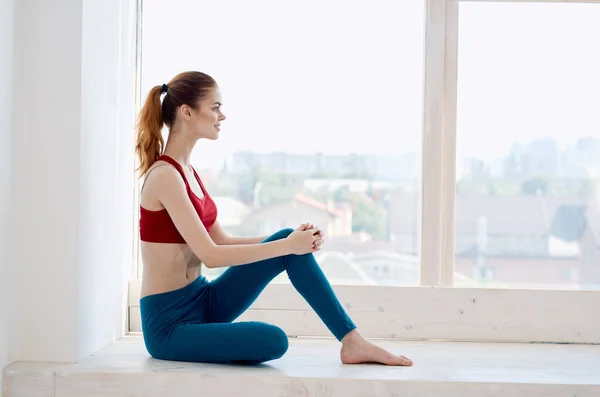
x: 528, y: 160
x: 323, y: 102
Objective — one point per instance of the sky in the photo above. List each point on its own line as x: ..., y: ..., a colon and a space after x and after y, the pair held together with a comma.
x: 338, y: 77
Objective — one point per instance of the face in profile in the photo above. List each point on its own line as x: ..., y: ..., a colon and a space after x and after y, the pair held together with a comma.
x: 206, y: 119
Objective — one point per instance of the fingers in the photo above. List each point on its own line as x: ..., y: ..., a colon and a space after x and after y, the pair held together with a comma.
x: 306, y: 226
x: 318, y: 242
x: 316, y: 247
x: 315, y: 229
x: 310, y: 226
x: 302, y: 227
x: 316, y: 234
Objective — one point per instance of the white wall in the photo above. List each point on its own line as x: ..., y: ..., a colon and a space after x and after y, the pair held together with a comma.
x: 45, y: 173
x: 71, y: 179
x: 7, y: 353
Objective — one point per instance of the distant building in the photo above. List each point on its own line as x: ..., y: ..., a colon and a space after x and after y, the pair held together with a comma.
x: 386, y: 167
x: 231, y: 212
x: 335, y: 220
x: 518, y: 239
x: 328, y: 186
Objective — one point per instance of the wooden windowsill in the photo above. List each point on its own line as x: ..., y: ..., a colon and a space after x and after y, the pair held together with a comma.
x: 311, y: 367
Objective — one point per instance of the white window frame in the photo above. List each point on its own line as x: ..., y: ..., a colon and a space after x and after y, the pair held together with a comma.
x: 137, y: 258
x: 435, y: 309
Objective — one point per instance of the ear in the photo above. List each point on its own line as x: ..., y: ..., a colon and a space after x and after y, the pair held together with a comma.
x: 185, y: 112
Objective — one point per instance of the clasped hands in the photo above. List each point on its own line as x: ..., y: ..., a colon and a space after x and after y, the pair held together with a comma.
x: 306, y: 238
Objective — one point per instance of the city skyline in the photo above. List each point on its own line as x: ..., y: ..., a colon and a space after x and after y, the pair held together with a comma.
x: 310, y: 90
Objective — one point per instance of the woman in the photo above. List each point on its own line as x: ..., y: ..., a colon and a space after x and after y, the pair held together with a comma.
x: 184, y: 316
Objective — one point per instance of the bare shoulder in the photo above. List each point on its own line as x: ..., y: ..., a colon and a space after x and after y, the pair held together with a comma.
x: 162, y: 178
x: 161, y: 172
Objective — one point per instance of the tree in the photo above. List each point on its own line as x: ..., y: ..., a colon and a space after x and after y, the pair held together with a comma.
x: 367, y: 215
x: 247, y: 184
x: 588, y: 188
x: 534, y: 186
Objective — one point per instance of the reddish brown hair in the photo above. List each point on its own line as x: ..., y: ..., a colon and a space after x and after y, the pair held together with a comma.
x: 187, y: 88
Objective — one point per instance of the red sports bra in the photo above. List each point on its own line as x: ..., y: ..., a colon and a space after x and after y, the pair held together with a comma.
x: 157, y: 226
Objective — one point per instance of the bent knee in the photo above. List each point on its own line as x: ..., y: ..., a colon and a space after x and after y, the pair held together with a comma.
x: 275, y: 342
x: 281, y: 234
x: 280, y: 343
x: 285, y: 232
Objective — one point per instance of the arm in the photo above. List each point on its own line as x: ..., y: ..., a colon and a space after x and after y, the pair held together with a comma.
x: 169, y: 189
x: 220, y: 237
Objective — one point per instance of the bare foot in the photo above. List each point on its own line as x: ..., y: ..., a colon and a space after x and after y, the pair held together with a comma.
x: 357, y: 350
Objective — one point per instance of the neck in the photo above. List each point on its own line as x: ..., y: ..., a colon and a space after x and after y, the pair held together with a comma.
x: 179, y: 146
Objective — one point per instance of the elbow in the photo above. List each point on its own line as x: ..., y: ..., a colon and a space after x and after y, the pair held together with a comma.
x: 209, y: 264
x: 210, y: 260
x: 213, y: 264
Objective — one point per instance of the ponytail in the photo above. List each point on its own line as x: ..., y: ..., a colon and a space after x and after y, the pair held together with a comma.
x: 150, y: 142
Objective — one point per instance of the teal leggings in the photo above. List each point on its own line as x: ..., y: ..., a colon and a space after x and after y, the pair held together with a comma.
x: 195, y: 323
